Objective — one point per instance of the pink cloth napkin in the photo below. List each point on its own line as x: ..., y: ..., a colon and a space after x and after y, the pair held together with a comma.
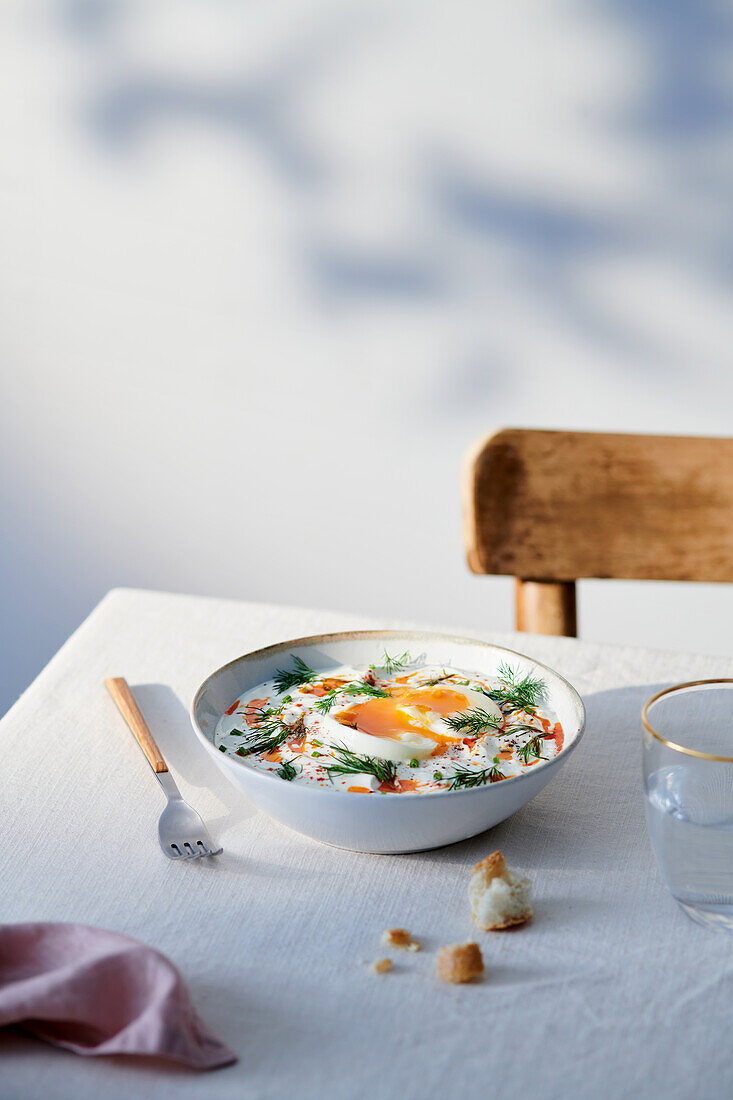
x: 97, y: 992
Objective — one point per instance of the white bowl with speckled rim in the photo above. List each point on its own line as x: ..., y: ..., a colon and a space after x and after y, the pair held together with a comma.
x: 386, y: 823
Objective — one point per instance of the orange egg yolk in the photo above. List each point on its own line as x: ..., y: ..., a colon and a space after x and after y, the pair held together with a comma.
x: 385, y: 718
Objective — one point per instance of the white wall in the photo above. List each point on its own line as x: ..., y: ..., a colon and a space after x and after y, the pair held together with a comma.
x: 267, y: 269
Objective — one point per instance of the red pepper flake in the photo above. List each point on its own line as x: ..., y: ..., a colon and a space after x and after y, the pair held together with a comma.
x: 232, y: 708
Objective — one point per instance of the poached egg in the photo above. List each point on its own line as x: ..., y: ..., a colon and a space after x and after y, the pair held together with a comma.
x: 407, y: 725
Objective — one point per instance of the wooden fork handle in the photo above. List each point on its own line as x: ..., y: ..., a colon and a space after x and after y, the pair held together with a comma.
x: 119, y: 689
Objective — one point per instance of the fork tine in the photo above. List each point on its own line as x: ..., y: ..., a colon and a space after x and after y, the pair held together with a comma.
x: 209, y: 851
x: 201, y: 849
x: 191, y: 849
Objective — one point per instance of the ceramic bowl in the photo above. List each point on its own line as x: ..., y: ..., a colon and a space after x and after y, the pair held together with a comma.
x: 382, y: 823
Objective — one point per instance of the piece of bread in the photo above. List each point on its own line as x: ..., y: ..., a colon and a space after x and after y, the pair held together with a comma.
x: 499, y: 899
x: 460, y: 962
x: 381, y: 966
x: 400, y: 937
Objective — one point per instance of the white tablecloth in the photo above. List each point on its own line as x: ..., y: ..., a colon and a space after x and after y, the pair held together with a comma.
x: 610, y: 992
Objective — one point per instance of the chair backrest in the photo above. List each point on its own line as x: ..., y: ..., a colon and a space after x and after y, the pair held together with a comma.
x: 550, y: 507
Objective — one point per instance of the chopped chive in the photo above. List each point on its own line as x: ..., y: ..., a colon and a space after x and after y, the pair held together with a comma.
x: 414, y: 763
x: 288, y: 771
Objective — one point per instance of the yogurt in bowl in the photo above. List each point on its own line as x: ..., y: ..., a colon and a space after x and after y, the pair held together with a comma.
x: 387, y: 741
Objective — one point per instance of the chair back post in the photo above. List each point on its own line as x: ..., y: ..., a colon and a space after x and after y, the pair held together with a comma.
x: 546, y: 607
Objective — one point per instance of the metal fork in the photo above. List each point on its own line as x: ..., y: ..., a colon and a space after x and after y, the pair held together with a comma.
x: 181, y: 832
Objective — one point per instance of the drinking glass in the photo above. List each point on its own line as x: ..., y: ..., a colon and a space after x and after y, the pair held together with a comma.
x: 688, y: 781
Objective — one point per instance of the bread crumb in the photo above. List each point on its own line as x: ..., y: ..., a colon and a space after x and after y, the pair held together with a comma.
x: 499, y: 898
x: 381, y: 966
x: 460, y: 962
x: 400, y: 937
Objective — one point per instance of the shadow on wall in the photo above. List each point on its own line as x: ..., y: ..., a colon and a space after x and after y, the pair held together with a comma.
x: 260, y: 108
x: 687, y: 44
x: 683, y: 116
x: 685, y: 99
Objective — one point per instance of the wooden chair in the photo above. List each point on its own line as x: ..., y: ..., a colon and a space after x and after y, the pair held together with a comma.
x: 551, y: 507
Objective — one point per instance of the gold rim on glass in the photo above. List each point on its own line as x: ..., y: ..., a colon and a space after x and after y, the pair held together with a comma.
x: 672, y: 744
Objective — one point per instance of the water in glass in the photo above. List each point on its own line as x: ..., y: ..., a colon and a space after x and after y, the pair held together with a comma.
x: 690, y: 816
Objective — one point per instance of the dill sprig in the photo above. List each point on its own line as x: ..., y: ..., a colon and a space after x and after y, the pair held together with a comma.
x: 463, y: 780
x: 351, y: 763
x: 267, y: 737
x: 514, y: 692
x: 288, y: 771
x: 363, y: 688
x: 394, y: 664
x: 270, y: 735
x: 518, y: 727
x: 474, y: 722
x: 300, y: 673
x: 266, y: 721
x: 533, y: 749
x: 326, y: 702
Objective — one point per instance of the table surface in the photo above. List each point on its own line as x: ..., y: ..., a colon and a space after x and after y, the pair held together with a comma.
x: 610, y: 991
